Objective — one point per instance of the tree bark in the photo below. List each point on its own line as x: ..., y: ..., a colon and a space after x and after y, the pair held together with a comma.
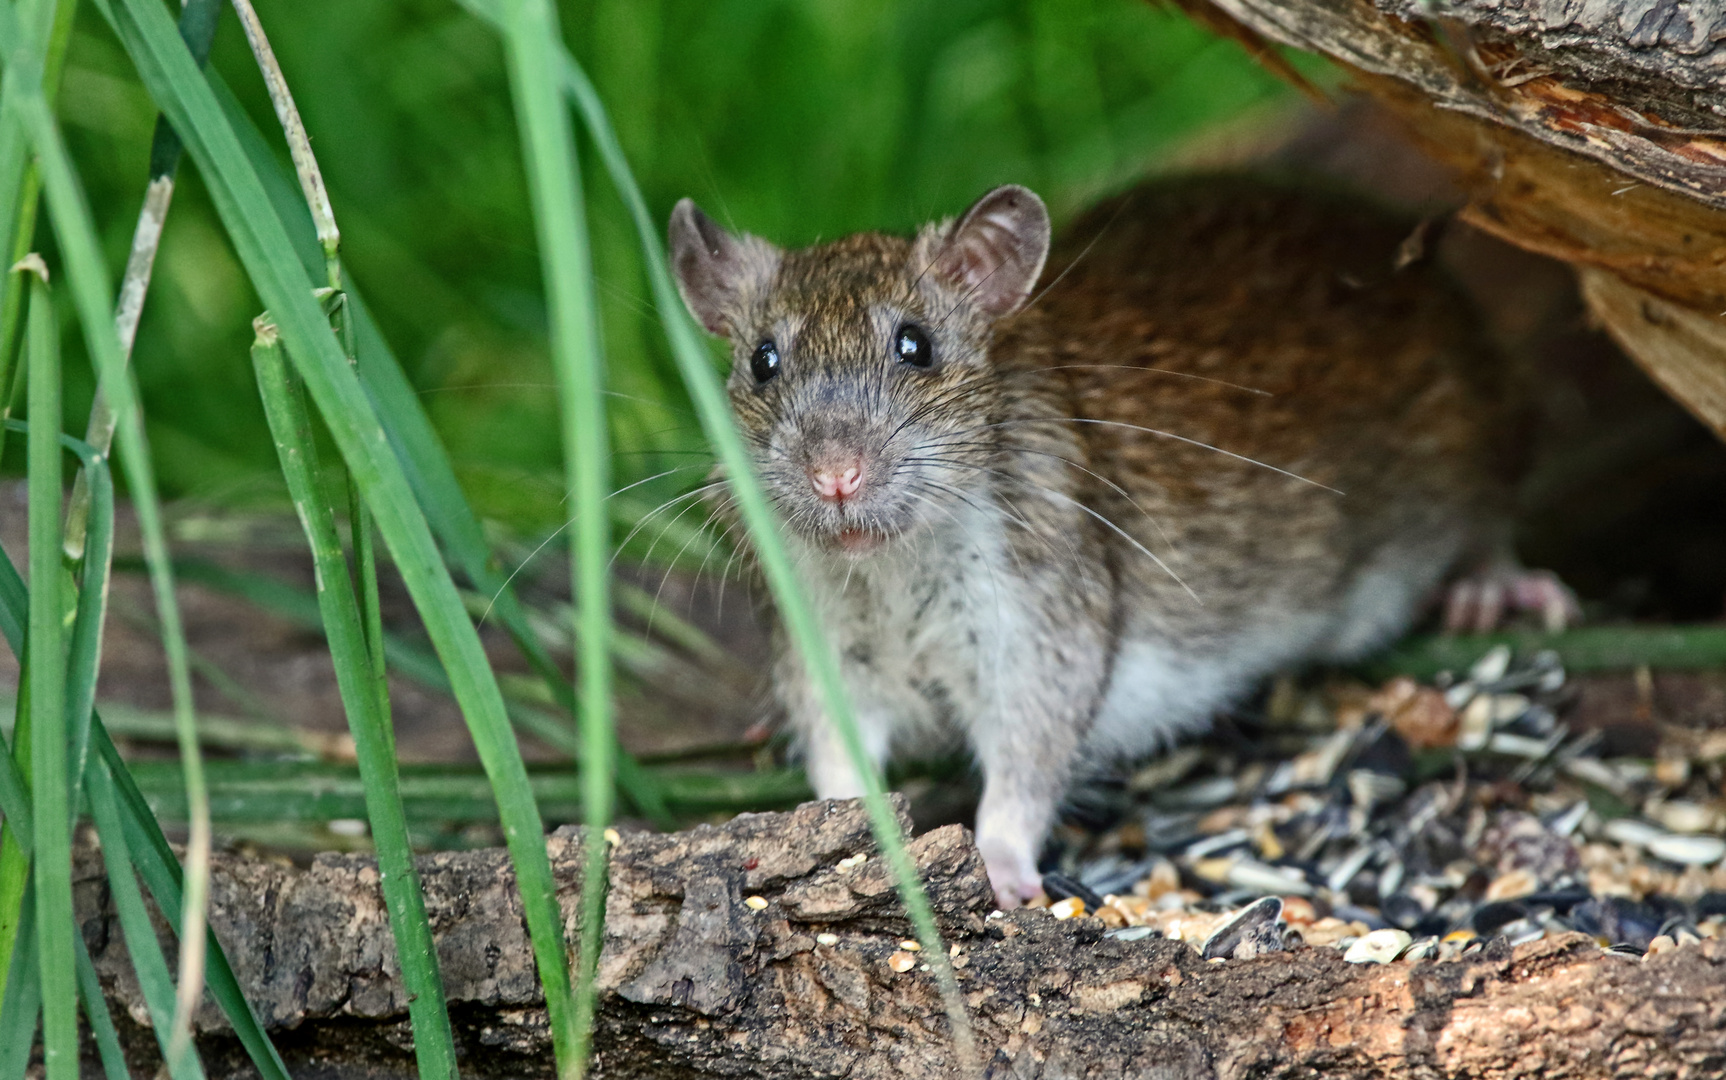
x: 695, y: 982
x: 1593, y: 131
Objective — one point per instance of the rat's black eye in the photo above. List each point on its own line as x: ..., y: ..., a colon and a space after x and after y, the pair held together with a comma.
x: 764, y: 364
x: 911, y: 346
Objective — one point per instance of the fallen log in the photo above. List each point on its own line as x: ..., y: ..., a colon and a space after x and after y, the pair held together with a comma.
x: 1592, y: 131
x: 696, y: 981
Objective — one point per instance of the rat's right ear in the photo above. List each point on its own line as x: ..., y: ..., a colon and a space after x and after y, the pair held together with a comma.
x: 717, y: 273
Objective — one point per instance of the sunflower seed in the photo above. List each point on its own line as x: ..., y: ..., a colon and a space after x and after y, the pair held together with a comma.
x: 1689, y: 850
x: 1252, y: 931
x: 1378, y: 947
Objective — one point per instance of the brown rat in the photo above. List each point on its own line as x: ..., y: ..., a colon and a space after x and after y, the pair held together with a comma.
x: 1068, y: 511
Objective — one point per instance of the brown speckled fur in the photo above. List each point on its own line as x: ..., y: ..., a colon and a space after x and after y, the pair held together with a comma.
x: 1374, y: 382
x: 1070, y: 558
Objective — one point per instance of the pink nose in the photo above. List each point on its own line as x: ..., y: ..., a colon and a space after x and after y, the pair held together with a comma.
x: 834, y: 484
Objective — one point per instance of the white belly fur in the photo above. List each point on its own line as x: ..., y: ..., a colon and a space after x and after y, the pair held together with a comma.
x: 1158, y: 693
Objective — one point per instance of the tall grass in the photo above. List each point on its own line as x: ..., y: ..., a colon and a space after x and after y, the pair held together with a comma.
x: 322, y: 363
x: 530, y: 30
x: 367, y: 704
x: 50, y: 805
x: 24, y: 104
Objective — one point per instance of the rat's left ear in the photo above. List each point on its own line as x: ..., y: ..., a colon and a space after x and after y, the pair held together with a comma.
x: 995, y: 252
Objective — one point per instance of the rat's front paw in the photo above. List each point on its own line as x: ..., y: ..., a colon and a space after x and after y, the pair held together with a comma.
x: 1012, y: 871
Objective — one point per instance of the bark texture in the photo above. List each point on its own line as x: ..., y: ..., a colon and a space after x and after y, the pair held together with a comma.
x: 699, y: 983
x: 1593, y: 131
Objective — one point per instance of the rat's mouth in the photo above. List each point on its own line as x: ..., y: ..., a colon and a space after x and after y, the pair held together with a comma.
x: 855, y: 541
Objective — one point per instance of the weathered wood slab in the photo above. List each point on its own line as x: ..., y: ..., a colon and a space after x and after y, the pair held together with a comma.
x: 697, y: 983
x: 1593, y: 131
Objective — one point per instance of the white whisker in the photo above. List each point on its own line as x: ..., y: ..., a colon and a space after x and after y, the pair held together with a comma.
x: 641, y: 523
x: 671, y: 564
x: 1156, y: 370
x: 1147, y: 552
x: 1165, y: 435
x: 1116, y: 488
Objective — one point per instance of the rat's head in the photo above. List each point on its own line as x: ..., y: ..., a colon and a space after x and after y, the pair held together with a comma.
x: 860, y: 369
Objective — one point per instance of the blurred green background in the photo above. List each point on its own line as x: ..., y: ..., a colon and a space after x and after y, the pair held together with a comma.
x: 793, y: 119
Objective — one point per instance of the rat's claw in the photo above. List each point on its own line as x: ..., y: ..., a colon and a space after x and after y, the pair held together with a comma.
x: 1541, y: 591
x: 1480, y: 602
x: 1472, y: 605
x: 1458, y: 605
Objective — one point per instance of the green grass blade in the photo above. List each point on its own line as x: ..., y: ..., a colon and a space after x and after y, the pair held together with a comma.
x: 86, y: 272
x: 84, y: 655
x: 198, y: 27
x: 1586, y: 648
x: 83, y: 658
x: 154, y: 978
x: 367, y: 709
x: 265, y: 250
x: 155, y: 859
x: 17, y: 834
x: 371, y: 608
x: 247, y: 734
x: 19, y: 189
x: 15, y: 800
x: 47, y: 26
x: 14, y: 793
x: 23, y: 999
x: 155, y: 863
x: 44, y: 31
x: 363, y: 538
x: 14, y: 599
x: 107, y: 1038
x: 695, y: 365
x: 52, y: 841
x: 422, y: 455
x: 531, y: 35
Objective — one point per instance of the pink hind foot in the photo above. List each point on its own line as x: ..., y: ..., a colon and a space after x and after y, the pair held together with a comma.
x: 1480, y: 602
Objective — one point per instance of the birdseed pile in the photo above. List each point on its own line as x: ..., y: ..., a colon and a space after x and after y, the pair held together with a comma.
x: 1408, y: 821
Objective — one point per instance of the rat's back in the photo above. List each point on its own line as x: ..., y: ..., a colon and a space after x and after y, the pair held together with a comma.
x: 1302, y: 425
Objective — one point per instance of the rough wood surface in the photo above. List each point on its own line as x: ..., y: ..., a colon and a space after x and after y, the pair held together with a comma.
x: 1663, y: 46
x: 1590, y: 130
x: 1588, y: 76
x: 697, y: 983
